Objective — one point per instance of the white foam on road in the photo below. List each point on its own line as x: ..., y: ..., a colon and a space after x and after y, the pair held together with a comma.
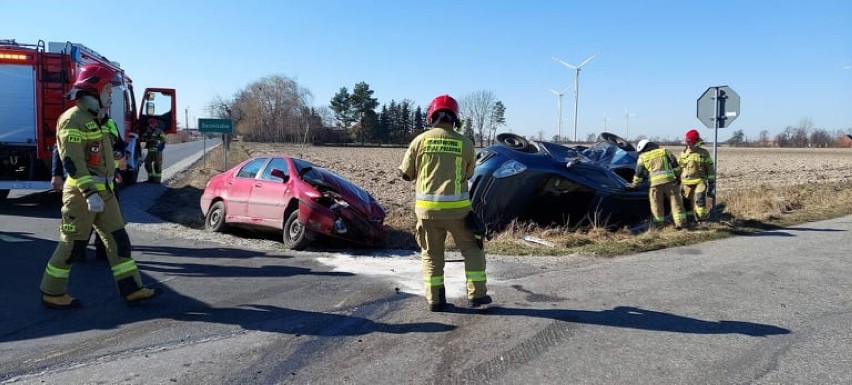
x: 405, y: 271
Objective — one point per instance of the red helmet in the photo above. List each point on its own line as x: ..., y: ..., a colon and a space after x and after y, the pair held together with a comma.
x: 93, y: 78
x: 692, y: 136
x: 442, y: 103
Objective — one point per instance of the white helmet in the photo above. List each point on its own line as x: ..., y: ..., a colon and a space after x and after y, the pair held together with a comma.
x: 642, y: 144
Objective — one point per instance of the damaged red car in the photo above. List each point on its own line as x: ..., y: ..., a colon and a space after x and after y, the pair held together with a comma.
x: 293, y: 196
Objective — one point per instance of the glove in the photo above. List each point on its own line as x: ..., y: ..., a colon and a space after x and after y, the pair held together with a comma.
x: 96, y: 204
x: 161, y: 146
x: 711, y: 189
x: 475, y: 225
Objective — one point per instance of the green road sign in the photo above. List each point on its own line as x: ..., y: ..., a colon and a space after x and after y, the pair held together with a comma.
x: 215, y: 125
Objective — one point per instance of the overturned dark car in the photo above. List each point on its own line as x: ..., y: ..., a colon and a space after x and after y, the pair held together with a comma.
x: 552, y: 184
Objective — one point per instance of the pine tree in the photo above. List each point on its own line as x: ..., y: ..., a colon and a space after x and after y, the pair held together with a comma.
x: 341, y: 104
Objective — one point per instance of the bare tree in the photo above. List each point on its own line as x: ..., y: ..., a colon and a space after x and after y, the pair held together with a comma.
x: 477, y: 107
x: 763, y: 138
x: 821, y: 138
x: 274, y: 108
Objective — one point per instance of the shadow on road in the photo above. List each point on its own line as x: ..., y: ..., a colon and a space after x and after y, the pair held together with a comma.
x: 637, y: 318
x: 24, y: 319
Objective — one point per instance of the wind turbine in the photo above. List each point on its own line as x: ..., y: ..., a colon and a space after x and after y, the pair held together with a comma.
x: 627, y: 116
x: 559, y: 95
x: 576, y: 69
x: 605, y: 119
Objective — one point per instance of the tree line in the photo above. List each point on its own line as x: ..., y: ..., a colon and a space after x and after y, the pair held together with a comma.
x: 805, y: 134
x: 277, y: 109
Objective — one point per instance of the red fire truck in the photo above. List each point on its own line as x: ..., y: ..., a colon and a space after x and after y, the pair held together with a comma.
x: 34, y: 82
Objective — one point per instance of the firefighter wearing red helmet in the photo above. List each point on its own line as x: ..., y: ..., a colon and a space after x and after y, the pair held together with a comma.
x: 698, y: 176
x: 85, y: 149
x: 660, y: 167
x: 155, y: 141
x: 440, y: 161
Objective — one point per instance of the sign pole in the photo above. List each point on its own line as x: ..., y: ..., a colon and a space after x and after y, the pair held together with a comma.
x: 717, y: 108
x: 716, y: 145
x: 223, y: 126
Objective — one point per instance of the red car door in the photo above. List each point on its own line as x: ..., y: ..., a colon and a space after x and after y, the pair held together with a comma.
x: 239, y: 190
x: 270, y: 194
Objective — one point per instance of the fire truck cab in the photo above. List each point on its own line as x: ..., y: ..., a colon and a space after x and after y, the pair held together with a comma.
x: 34, y: 82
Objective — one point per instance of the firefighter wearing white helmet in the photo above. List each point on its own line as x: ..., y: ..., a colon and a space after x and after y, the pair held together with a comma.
x: 440, y: 161
x: 88, y: 199
x: 661, y: 168
x: 697, y: 177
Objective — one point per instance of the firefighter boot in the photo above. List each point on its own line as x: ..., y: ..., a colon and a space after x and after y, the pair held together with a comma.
x: 478, y: 302
x: 441, y: 304
x: 140, y: 295
x: 63, y: 301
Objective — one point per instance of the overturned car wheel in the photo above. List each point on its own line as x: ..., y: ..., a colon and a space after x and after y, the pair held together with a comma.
x: 296, y: 236
x: 616, y: 140
x: 515, y: 142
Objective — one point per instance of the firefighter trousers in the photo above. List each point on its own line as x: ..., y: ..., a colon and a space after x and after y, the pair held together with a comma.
x: 695, y: 201
x: 658, y: 194
x: 75, y: 226
x: 154, y: 165
x: 431, y: 236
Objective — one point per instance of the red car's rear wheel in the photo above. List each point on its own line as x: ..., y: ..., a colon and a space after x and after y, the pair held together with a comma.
x: 215, y: 220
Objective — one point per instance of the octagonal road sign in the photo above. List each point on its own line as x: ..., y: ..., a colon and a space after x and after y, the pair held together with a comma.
x: 718, y: 107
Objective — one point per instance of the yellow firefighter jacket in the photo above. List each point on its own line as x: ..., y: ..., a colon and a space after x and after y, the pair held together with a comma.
x: 85, y: 149
x: 697, y: 166
x: 155, y: 140
x: 440, y: 161
x: 660, y: 165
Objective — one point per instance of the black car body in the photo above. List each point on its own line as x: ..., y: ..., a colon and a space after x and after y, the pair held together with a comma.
x: 552, y: 184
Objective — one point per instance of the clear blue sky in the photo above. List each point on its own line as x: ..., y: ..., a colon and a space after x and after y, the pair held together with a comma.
x: 786, y: 59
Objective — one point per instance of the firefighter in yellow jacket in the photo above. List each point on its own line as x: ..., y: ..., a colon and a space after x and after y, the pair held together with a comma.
x: 85, y: 148
x: 697, y: 177
x: 155, y: 142
x: 661, y: 168
x: 440, y: 161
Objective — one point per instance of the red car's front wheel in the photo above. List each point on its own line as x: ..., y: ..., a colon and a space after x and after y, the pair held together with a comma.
x: 295, y: 234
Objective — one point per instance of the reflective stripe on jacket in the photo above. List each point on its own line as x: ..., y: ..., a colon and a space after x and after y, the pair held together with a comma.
x: 697, y: 165
x: 85, y: 149
x: 659, y: 165
x: 440, y: 161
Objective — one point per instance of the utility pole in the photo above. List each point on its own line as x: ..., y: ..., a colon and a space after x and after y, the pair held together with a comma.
x: 576, y: 69
x: 187, y: 118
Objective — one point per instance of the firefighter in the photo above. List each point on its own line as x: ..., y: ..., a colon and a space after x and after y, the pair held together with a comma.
x: 661, y: 167
x: 58, y: 180
x: 155, y: 142
x: 87, y: 197
x: 697, y: 177
x: 440, y: 161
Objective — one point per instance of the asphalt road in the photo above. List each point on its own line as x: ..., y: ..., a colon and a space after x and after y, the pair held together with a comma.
x: 773, y: 308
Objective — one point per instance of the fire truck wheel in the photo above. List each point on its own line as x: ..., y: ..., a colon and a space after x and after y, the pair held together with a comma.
x: 3, y: 194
